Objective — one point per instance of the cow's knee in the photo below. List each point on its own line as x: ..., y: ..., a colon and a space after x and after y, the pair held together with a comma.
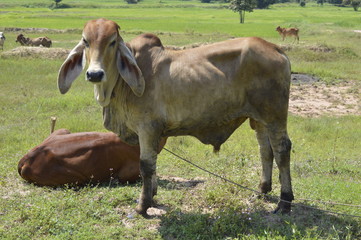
x: 148, y: 173
x: 147, y: 168
x: 283, y: 150
x: 285, y: 145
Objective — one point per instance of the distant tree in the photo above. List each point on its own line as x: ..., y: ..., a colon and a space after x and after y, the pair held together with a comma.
x: 320, y: 2
x: 205, y: 1
x: 131, y: 1
x: 242, y: 6
x: 355, y: 4
x: 335, y: 1
x: 262, y: 4
x: 219, y: 1
x: 57, y: 3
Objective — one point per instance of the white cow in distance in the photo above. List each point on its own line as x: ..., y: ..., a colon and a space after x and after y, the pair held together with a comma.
x: 2, y: 40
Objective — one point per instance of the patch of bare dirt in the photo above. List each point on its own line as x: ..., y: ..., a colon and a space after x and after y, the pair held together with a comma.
x: 311, y: 98
x: 37, y: 52
x: 320, y: 48
x: 314, y: 48
x: 180, y: 183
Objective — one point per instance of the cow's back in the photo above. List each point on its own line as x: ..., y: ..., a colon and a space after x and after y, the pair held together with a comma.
x: 214, y: 88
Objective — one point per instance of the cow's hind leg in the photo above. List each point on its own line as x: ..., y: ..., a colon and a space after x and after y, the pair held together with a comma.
x: 281, y: 146
x: 266, y: 153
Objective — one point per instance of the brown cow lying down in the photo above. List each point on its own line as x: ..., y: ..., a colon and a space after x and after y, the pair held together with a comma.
x: 44, y: 41
x: 81, y: 158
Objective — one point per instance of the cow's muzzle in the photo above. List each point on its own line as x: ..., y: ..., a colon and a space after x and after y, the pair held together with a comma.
x: 95, y: 76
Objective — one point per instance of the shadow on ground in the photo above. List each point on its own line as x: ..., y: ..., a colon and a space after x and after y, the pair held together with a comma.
x: 230, y: 223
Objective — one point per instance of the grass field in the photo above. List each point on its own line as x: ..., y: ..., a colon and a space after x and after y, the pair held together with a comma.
x: 326, y: 156
x: 327, y: 26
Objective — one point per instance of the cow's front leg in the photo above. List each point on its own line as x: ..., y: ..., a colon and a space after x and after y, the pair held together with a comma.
x: 148, y: 160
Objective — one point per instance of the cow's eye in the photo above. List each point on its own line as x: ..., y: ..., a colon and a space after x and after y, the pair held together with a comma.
x: 86, y: 42
x: 112, y: 44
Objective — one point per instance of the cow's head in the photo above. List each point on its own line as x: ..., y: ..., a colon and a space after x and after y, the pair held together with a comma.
x: 20, y: 38
x: 107, y: 56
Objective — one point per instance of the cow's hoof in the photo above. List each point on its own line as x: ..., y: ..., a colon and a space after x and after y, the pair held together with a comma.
x: 283, y: 207
x: 141, y: 210
x: 266, y: 198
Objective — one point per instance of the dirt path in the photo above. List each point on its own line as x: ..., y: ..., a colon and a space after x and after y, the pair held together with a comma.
x: 311, y: 98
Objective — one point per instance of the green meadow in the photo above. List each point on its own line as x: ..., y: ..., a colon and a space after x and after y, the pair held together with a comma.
x: 326, y: 154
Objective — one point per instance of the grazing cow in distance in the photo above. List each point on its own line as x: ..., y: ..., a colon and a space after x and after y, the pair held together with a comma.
x: 81, y: 158
x: 148, y: 92
x: 43, y: 41
x: 284, y: 32
x: 2, y: 40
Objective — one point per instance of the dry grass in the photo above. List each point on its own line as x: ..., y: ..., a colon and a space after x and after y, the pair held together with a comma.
x: 36, y: 52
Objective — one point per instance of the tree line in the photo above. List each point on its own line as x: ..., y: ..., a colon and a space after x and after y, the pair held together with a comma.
x: 243, y: 6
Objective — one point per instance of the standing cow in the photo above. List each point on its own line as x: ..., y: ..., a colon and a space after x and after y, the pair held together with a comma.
x: 148, y: 92
x: 2, y: 40
x: 284, y: 32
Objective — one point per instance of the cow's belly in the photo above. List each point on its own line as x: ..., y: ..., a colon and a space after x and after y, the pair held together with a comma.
x: 210, y: 128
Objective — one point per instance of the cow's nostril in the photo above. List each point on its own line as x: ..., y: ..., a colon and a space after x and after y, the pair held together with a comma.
x: 96, y: 76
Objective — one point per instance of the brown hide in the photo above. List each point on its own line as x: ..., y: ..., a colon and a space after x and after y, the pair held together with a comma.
x: 80, y: 158
x: 21, y: 39
x: 284, y: 32
x: 44, y: 41
x: 148, y: 92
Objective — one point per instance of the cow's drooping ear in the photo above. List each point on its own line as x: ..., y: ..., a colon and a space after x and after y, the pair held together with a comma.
x: 72, y: 67
x: 129, y: 70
